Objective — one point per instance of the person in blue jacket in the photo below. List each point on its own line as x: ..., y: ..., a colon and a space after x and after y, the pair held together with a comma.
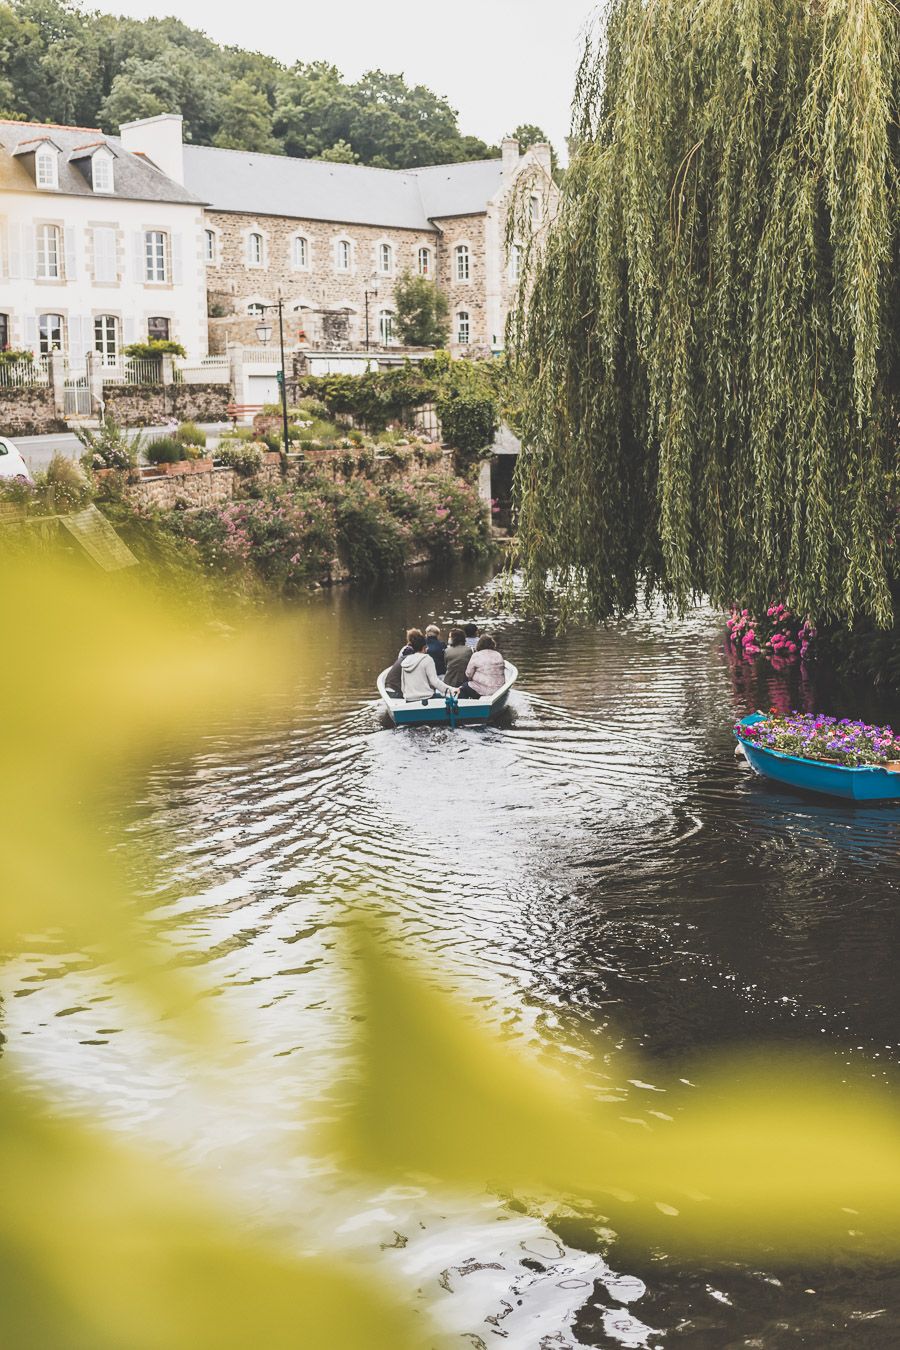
x: 435, y: 647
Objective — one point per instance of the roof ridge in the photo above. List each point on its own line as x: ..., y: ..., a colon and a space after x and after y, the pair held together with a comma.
x: 56, y: 126
x: 295, y: 159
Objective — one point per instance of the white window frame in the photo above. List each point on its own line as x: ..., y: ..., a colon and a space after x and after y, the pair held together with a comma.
x: 253, y: 306
x: 252, y: 236
x: 462, y: 262
x: 102, y: 160
x: 534, y: 207
x: 44, y: 342
x: 384, y: 258
x: 156, y: 257
x: 48, y: 253
x: 463, y: 327
x: 210, y: 246
x: 423, y: 252
x: 5, y: 329
x: 46, y: 158
x: 109, y: 355
x: 386, y: 319
x: 300, y: 253
x: 515, y: 263
x: 342, y: 245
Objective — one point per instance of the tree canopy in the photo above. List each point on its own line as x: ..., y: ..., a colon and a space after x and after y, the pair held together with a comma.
x: 422, y: 312
x: 708, y: 353
x: 59, y: 63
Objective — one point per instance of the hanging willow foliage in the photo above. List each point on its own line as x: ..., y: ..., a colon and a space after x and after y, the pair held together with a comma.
x: 709, y: 351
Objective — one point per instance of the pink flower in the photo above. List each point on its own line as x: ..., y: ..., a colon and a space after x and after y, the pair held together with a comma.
x: 751, y: 649
x: 749, y: 636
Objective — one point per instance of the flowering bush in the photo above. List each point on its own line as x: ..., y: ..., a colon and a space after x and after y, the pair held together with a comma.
x: 245, y: 457
x: 814, y: 736
x: 780, y: 636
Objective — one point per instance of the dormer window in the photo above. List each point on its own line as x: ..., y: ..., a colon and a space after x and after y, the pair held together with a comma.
x: 46, y: 168
x: 102, y: 171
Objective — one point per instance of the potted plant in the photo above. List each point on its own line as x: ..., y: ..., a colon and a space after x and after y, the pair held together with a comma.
x: 169, y: 456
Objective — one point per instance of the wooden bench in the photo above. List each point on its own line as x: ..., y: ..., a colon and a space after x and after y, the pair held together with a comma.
x: 243, y: 411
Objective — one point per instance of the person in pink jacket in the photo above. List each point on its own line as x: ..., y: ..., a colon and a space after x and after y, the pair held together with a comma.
x: 486, y: 671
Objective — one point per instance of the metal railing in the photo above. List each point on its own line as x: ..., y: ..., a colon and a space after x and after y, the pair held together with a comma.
x: 134, y: 370
x: 208, y: 370
x: 22, y: 374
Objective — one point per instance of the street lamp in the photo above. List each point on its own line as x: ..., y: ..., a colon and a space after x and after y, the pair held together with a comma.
x: 264, y: 333
x: 371, y: 289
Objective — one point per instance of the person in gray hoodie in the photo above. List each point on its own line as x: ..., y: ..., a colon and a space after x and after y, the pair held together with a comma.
x: 419, y: 679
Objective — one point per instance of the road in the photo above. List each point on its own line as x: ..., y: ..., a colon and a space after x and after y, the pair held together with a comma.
x: 37, y: 451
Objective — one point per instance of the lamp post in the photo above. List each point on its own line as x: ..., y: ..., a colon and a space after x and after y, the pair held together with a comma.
x: 264, y: 333
x: 371, y: 289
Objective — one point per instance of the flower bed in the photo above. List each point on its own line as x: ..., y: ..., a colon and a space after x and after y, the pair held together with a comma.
x: 814, y: 736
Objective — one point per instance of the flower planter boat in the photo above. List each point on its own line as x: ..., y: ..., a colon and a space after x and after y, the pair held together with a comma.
x: 866, y: 783
x: 441, y: 711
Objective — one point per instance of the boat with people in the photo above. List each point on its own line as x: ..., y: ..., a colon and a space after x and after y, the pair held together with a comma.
x: 437, y: 683
x: 864, y: 782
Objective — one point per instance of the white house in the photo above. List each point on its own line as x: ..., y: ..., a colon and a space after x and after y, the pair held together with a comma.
x: 99, y: 247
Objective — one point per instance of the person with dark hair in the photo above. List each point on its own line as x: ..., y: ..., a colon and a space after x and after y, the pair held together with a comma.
x: 419, y: 679
x: 392, y: 681
x: 486, y: 671
x: 456, y: 657
x: 471, y: 632
x: 435, y: 647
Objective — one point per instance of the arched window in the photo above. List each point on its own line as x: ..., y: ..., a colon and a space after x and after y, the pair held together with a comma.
x: 46, y: 171
x: 385, y: 259
x: 386, y: 327
x: 51, y: 333
x: 210, y: 238
x: 535, y: 208
x: 159, y: 329
x: 106, y: 338
x: 343, y: 255
x: 515, y: 262
x: 255, y: 249
x: 102, y: 171
x: 423, y: 259
x: 462, y: 328
x: 48, y: 251
x: 255, y: 309
x: 462, y: 262
x: 301, y: 252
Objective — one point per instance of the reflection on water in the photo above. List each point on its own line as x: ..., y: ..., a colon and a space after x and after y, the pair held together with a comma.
x: 597, y: 860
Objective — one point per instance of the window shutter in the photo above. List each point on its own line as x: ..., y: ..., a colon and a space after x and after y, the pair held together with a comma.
x: 29, y: 253
x: 177, y: 265
x: 137, y: 255
x: 14, y: 252
x: 81, y: 337
x: 105, y: 262
x: 129, y: 330
x: 70, y: 245
x: 31, y: 330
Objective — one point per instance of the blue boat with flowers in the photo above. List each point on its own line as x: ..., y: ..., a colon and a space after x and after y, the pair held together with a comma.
x: 839, y: 758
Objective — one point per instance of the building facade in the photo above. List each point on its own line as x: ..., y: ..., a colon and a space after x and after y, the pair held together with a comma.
x: 98, y: 247
x: 333, y: 239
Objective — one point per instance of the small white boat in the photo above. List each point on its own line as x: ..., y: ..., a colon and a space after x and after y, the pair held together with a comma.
x: 445, y: 711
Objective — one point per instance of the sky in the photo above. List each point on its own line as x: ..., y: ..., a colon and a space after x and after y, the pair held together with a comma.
x: 498, y: 62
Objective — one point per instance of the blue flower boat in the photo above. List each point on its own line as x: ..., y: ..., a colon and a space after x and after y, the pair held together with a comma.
x: 441, y: 711
x: 868, y: 783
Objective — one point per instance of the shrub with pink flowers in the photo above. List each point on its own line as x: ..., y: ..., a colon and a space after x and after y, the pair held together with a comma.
x: 780, y: 636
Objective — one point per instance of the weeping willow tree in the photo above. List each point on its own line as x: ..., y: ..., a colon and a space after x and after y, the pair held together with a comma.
x: 709, y: 345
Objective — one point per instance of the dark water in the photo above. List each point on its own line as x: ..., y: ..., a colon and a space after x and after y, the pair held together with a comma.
x: 597, y: 864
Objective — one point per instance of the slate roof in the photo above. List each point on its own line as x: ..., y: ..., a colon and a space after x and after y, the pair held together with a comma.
x: 136, y: 178
x: 352, y: 194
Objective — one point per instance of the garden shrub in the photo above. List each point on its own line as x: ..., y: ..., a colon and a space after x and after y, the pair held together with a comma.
x: 154, y: 348
x: 64, y: 485
x: 469, y: 423
x: 108, y: 448
x: 190, y: 434
x: 242, y: 456
x: 165, y: 450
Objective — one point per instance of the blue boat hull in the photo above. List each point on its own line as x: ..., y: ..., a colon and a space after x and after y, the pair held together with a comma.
x: 436, y: 712
x: 864, y: 784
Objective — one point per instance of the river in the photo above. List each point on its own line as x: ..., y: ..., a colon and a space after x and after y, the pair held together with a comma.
x: 596, y: 864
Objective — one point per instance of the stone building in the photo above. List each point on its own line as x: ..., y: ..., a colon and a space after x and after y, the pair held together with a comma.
x: 332, y: 239
x: 98, y: 246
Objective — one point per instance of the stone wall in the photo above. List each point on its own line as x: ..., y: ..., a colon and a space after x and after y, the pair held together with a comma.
x: 134, y: 405
x: 316, y: 294
x: 29, y: 411
x: 469, y: 295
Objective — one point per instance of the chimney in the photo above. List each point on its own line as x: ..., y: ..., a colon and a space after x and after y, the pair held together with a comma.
x: 509, y: 147
x: 159, y: 138
x: 541, y: 152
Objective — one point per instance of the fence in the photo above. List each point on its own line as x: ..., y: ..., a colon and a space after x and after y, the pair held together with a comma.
x: 208, y: 370
x: 77, y: 395
x: 22, y: 374
x: 133, y: 370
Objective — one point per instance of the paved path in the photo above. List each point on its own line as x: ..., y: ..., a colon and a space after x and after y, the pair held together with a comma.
x: 37, y: 451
